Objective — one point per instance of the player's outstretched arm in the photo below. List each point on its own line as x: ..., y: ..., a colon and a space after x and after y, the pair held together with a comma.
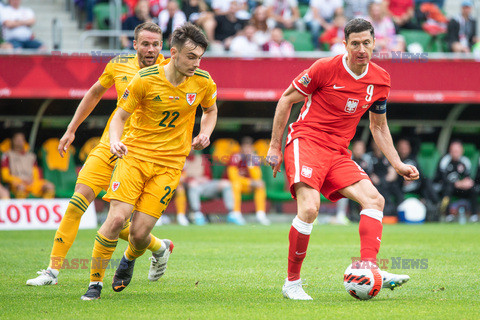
x: 282, y: 113
x: 86, y: 106
x: 207, y: 124
x: 116, y: 130
x: 383, y: 138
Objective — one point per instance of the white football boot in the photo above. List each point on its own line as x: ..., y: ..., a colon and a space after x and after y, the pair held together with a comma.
x: 158, y: 264
x: 45, y: 278
x: 293, y: 290
x: 391, y: 280
x: 182, y: 220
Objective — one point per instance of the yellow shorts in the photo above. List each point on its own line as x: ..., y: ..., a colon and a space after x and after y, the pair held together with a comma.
x: 146, y: 185
x: 97, y: 170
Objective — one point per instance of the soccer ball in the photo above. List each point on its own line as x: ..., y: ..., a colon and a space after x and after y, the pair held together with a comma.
x: 361, y: 282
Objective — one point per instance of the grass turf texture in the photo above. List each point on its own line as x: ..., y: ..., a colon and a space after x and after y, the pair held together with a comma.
x: 230, y: 272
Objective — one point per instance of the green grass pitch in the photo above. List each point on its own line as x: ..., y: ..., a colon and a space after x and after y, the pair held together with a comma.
x: 231, y: 272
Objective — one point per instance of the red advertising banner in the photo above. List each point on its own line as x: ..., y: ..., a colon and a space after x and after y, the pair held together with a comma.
x: 36, y: 214
x: 255, y: 79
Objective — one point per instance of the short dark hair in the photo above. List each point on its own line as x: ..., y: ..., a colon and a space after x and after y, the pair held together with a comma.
x: 358, y: 25
x: 191, y: 32
x: 147, y: 26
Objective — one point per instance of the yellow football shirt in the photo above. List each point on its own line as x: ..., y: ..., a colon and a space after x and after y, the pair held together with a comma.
x: 119, y: 72
x: 163, y: 116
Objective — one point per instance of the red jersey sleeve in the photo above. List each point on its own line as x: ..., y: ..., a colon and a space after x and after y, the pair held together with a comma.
x: 311, y: 79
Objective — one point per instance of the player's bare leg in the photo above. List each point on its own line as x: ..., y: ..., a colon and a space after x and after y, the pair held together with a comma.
x: 370, y: 226
x: 105, y: 244
x: 308, y: 204
x: 142, y: 225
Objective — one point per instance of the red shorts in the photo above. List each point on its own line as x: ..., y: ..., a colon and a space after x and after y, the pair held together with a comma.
x: 322, y: 168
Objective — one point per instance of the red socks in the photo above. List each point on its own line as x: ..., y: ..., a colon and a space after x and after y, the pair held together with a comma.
x: 298, y: 237
x: 370, y: 230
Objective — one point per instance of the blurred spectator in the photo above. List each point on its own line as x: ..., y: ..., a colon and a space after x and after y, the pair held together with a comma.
x: 227, y: 26
x: 198, y: 178
x: 453, y: 179
x: 320, y: 16
x: 259, y: 20
x: 283, y: 13
x: 171, y: 18
x: 384, y: 178
x: 222, y: 7
x: 131, y: 4
x: 278, y: 46
x: 17, y: 25
x: 422, y: 187
x: 197, y: 12
x: 462, y: 30
x: 141, y: 15
x: 87, y: 6
x: 357, y: 8
x: 439, y: 3
x: 386, y: 38
x: 402, y: 13
x: 156, y: 6
x: 244, y: 43
x: 246, y: 176
x: 431, y: 18
x: 20, y: 171
x: 334, y: 36
x: 364, y: 160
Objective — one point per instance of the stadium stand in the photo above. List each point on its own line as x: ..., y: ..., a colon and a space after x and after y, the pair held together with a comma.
x: 60, y: 171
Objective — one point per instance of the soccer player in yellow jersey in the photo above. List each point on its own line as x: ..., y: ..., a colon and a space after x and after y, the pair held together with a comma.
x: 161, y: 101
x: 97, y: 170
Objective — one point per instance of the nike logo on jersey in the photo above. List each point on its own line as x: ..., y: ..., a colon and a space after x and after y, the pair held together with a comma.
x: 379, y: 239
x: 337, y: 87
x: 300, y: 253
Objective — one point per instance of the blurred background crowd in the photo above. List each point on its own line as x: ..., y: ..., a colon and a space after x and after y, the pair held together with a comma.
x: 250, y: 27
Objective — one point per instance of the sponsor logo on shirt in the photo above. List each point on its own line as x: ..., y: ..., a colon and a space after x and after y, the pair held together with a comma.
x: 305, y: 80
x: 115, y: 185
x: 351, y: 105
x: 306, y: 172
x: 125, y: 79
x: 157, y: 98
x: 191, y: 98
x: 125, y: 94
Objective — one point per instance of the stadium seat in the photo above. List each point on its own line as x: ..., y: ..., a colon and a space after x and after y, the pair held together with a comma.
x: 60, y: 171
x: 276, y: 187
x: 428, y: 158
x: 303, y: 8
x: 472, y: 153
x: 301, y: 40
x: 101, y: 11
x: 421, y: 37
